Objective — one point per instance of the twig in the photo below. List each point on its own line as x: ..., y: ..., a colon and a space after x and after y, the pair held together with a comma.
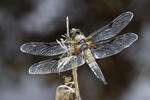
x: 67, y: 25
x: 77, y: 92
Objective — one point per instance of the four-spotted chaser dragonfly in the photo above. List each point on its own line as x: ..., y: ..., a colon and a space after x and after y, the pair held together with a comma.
x: 99, y: 44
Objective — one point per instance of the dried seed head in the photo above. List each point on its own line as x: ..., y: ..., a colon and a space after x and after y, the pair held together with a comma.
x: 64, y: 92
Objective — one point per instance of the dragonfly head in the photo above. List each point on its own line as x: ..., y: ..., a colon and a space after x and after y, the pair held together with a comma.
x: 74, y: 32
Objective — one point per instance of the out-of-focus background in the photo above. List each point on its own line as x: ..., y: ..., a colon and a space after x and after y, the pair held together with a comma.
x: 21, y: 21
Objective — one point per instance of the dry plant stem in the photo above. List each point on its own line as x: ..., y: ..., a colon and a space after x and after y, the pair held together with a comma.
x: 74, y: 71
x: 67, y: 25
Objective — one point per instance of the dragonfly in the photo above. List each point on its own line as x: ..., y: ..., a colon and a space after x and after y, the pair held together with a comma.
x: 101, y: 43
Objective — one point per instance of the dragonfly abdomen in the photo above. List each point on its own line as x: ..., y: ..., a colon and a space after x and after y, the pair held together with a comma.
x: 89, y: 58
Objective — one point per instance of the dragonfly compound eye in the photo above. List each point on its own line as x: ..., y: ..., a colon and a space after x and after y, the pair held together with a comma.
x: 77, y: 31
x: 73, y: 34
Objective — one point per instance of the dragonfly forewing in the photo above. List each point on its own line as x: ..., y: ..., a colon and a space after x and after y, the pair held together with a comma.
x: 114, y: 46
x: 56, y: 66
x: 42, y: 48
x: 113, y: 28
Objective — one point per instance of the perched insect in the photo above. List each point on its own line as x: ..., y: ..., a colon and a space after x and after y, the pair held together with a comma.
x: 99, y: 44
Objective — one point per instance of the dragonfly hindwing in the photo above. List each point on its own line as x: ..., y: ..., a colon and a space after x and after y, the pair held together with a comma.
x: 56, y: 66
x: 114, y: 46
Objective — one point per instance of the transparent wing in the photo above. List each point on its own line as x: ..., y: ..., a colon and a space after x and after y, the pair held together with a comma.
x: 114, y: 46
x: 42, y: 48
x: 113, y: 28
x: 51, y: 66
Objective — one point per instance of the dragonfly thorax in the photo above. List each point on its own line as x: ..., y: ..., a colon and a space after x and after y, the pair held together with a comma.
x: 84, y: 46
